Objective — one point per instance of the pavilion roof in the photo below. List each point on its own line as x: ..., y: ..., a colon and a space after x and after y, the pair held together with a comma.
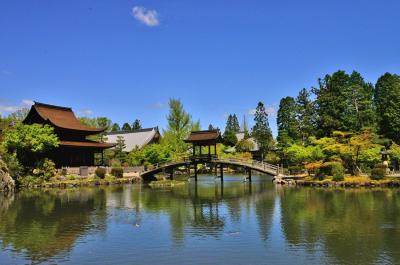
x: 61, y: 117
x: 207, y: 137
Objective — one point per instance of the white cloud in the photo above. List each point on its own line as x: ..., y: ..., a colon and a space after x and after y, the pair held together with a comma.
x: 86, y: 112
x: 158, y: 105
x: 7, y: 107
x: 270, y: 110
x: 147, y: 17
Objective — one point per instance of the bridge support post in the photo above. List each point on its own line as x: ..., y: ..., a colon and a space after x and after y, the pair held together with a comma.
x: 221, y: 168
x: 171, y: 176
x: 249, y: 174
x: 216, y: 169
x: 195, y: 171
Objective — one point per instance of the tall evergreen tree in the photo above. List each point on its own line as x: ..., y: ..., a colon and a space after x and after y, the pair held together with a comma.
x: 229, y: 136
x: 115, y: 127
x: 119, y: 149
x: 288, y: 127
x: 235, y: 124
x: 126, y: 127
x: 210, y: 127
x: 261, y: 130
x: 387, y: 101
x: 305, y: 115
x: 136, y: 125
x: 245, y: 128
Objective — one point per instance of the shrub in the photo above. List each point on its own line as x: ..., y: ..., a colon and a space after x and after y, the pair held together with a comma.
x: 100, y: 172
x: 295, y: 169
x: 45, y: 169
x: 332, y: 168
x: 63, y: 172
x: 117, y: 172
x: 378, y: 172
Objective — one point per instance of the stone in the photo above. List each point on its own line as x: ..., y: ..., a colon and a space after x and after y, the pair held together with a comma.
x: 6, y: 181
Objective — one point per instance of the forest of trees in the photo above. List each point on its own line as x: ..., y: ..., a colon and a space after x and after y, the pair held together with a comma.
x: 344, y: 120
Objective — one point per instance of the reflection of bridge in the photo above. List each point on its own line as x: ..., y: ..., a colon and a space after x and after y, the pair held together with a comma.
x: 214, y: 162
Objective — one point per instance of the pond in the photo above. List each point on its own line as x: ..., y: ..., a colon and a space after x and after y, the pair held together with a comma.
x: 204, y: 223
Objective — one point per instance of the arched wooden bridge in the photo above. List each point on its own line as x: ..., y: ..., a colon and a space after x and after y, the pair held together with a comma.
x: 215, y: 162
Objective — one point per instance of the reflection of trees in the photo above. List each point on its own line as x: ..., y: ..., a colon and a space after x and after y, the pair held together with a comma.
x: 44, y: 224
x: 198, y: 206
x: 354, y: 226
x: 265, y: 210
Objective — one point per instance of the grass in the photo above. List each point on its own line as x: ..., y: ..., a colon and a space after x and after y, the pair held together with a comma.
x: 166, y: 183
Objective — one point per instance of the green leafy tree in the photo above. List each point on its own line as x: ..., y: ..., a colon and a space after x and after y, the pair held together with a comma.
x: 261, y: 130
x: 29, y: 142
x: 387, y: 99
x: 288, y: 126
x: 126, y: 127
x: 178, y: 127
x: 136, y: 125
x: 115, y: 127
x: 119, y: 149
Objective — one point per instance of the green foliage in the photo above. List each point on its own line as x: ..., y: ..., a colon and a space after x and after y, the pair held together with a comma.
x: 229, y: 138
x: 117, y: 172
x: 245, y: 145
x: 299, y: 154
x: 306, y: 115
x: 151, y: 154
x: 15, y: 169
x: 100, y: 172
x: 136, y: 125
x: 119, y: 149
x: 261, y: 131
x: 332, y: 168
x: 387, y: 98
x: 288, y: 126
x: 344, y: 102
x: 29, y: 142
x: 178, y: 128
x: 379, y: 171
x: 126, y: 127
x: 45, y: 169
x: 115, y: 127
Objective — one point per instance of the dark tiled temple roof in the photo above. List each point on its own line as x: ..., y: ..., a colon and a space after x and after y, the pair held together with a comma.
x: 61, y: 117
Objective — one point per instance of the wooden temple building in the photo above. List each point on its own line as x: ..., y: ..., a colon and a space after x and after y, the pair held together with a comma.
x: 74, y: 147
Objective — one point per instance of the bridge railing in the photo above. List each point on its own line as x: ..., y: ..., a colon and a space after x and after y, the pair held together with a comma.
x: 254, y: 163
x: 163, y: 164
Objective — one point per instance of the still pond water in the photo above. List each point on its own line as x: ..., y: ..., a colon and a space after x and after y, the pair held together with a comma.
x: 236, y: 223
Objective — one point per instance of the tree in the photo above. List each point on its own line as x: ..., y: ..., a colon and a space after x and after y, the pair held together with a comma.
x: 178, y: 127
x: 235, y: 124
x: 288, y: 126
x: 136, y: 125
x: 245, y: 128
x: 229, y: 137
x: 261, y: 130
x: 305, y: 115
x: 126, y: 127
x: 29, y: 142
x: 210, y: 127
x: 119, y: 149
x: 19, y: 115
x: 115, y: 127
x: 387, y: 99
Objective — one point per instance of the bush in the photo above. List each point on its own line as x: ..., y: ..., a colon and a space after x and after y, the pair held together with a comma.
x: 296, y: 169
x: 332, y: 168
x: 63, y: 172
x: 378, y: 172
x: 117, y: 172
x: 45, y: 169
x: 100, y: 172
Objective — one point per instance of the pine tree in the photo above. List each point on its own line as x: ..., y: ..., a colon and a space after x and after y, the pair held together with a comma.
x: 288, y: 127
x: 210, y: 127
x: 126, y: 127
x: 119, y: 149
x: 229, y: 136
x: 136, y: 125
x: 235, y: 124
x: 261, y: 130
x: 115, y: 127
x: 387, y: 99
x: 306, y: 115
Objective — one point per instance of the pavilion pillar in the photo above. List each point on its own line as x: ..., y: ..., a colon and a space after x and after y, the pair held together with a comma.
x: 102, y: 157
x: 171, y: 176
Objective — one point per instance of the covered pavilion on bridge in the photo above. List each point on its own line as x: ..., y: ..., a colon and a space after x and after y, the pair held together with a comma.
x: 200, y: 139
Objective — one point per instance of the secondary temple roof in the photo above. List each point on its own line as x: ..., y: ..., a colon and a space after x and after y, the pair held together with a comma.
x: 206, y: 137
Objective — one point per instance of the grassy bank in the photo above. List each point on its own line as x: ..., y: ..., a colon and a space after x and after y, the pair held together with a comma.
x: 349, y: 181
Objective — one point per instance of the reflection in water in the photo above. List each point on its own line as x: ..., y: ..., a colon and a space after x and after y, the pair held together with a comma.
x: 207, y: 222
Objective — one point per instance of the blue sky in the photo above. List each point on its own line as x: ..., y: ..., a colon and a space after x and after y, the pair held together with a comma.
x: 125, y: 59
